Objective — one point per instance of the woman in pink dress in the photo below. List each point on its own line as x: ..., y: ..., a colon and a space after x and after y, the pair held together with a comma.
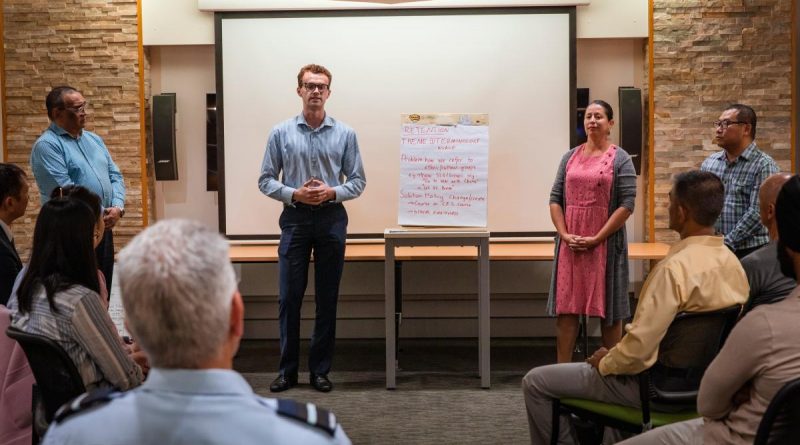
x: 591, y: 199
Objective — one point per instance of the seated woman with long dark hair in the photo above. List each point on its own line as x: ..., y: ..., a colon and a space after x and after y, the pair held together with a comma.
x: 81, y: 193
x: 58, y: 297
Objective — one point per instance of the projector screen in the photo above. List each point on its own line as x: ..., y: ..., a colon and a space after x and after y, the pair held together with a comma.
x: 516, y: 64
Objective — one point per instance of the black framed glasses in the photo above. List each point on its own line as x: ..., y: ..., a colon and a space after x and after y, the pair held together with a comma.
x: 315, y: 86
x: 727, y: 123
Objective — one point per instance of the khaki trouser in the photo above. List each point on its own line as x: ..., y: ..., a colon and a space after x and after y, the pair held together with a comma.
x: 689, y: 432
x: 577, y: 380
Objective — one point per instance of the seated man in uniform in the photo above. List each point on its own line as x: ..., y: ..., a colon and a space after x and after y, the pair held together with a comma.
x: 767, y: 284
x: 183, y: 307
x: 698, y: 274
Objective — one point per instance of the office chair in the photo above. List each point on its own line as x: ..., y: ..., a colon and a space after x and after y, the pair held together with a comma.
x: 57, y: 378
x: 668, y: 390
x: 781, y: 422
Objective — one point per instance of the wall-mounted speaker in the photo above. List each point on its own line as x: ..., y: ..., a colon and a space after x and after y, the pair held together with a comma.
x: 581, y: 101
x: 212, y: 174
x: 630, y: 124
x: 164, y: 155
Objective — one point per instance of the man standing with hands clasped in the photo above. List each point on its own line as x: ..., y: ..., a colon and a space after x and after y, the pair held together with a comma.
x: 305, y: 165
x: 66, y: 154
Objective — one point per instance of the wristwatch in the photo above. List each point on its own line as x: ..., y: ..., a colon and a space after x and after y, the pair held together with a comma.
x: 121, y: 211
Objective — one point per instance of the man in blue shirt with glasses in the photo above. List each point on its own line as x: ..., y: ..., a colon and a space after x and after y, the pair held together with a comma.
x: 311, y: 164
x: 66, y: 154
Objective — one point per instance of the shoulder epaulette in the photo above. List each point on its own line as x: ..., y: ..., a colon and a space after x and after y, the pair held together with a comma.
x: 308, y: 413
x: 87, y: 400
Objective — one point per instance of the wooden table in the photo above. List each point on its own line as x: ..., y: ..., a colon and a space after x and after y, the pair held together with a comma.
x: 498, y: 251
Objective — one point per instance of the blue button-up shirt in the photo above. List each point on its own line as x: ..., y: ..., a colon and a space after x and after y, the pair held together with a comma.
x: 181, y: 406
x: 59, y: 160
x: 297, y: 153
x: 740, y: 221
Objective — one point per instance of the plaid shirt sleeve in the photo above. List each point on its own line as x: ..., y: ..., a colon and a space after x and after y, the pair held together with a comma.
x: 750, y: 222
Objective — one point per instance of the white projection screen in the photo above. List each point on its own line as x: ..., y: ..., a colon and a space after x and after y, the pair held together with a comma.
x: 516, y: 64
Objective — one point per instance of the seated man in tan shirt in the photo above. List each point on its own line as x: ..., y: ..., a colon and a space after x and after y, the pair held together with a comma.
x: 760, y: 356
x: 698, y: 274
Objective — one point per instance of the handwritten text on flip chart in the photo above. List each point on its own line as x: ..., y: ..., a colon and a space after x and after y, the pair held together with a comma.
x: 443, y: 175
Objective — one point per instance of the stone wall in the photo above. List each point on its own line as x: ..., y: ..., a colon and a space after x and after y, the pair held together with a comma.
x: 92, y: 46
x: 709, y: 53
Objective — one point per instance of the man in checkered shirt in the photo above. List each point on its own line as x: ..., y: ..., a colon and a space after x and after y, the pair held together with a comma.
x: 742, y: 168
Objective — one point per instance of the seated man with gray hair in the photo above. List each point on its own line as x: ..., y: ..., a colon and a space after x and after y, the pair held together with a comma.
x: 182, y: 304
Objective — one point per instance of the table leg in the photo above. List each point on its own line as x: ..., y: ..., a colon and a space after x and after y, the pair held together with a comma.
x: 398, y: 308
x: 484, y: 333
x: 389, y: 289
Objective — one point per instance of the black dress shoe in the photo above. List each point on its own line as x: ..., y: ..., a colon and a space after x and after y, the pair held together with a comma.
x: 321, y: 383
x: 282, y: 383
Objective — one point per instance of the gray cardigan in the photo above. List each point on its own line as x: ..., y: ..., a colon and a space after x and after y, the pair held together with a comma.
x: 623, y: 194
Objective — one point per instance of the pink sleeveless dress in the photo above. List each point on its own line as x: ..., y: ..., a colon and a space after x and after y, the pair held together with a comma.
x: 581, y: 276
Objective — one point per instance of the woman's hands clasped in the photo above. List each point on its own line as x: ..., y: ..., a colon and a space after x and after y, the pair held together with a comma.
x: 578, y: 243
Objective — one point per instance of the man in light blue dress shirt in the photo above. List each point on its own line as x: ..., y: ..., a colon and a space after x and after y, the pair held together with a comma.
x: 311, y: 165
x: 182, y: 306
x: 66, y: 154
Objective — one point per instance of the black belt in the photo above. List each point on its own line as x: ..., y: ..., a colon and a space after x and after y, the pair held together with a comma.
x: 302, y: 206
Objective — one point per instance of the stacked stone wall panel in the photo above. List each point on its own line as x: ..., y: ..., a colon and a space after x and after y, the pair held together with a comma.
x: 708, y: 54
x: 93, y: 46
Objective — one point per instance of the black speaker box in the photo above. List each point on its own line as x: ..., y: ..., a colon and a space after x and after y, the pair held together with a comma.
x: 630, y: 124
x: 164, y: 156
x: 212, y: 172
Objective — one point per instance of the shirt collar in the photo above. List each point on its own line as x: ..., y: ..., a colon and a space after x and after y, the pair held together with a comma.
x: 196, y: 381
x: 748, y: 154
x: 326, y: 122
x: 7, y: 229
x: 700, y: 240
x: 61, y: 132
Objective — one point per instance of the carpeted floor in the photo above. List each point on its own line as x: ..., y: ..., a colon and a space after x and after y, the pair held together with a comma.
x: 438, y: 399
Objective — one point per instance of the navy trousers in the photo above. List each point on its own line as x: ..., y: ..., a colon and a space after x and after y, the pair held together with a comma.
x: 105, y: 258
x: 323, y: 230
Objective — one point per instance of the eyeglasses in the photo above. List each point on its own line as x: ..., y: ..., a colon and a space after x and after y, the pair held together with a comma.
x: 726, y: 123
x: 77, y: 110
x: 314, y: 86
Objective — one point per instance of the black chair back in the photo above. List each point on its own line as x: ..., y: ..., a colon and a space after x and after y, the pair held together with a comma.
x: 57, y: 378
x: 781, y: 422
x: 690, y: 344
